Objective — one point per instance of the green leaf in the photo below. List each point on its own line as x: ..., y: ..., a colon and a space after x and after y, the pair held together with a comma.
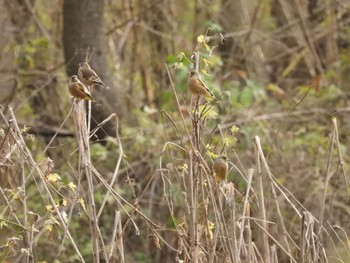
x: 209, y: 113
x: 3, y: 223
x: 229, y: 140
x: 234, y: 95
x: 246, y: 97
x: 214, y: 26
x: 166, y: 97
x: 171, y: 59
x: 98, y: 152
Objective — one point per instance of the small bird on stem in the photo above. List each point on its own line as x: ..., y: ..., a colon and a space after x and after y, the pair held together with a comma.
x: 196, y: 85
x: 78, y: 90
x: 88, y: 76
x: 220, y: 168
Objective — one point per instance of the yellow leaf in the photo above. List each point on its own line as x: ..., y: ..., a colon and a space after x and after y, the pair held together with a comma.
x: 180, y: 56
x: 293, y: 63
x: 275, y: 90
x: 228, y: 140
x: 82, y: 203
x: 201, y: 39
x: 53, y: 178
x: 63, y: 202
x: 48, y: 226
x: 208, y: 147
x: 234, y: 129
x: 212, y: 154
x: 183, y: 167
x: 72, y: 186
x: 211, y: 227
x: 49, y: 208
x: 205, y: 61
x: 25, y: 129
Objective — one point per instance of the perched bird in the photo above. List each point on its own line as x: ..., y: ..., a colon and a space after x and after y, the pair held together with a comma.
x: 196, y: 85
x: 220, y: 168
x: 78, y: 90
x: 88, y: 76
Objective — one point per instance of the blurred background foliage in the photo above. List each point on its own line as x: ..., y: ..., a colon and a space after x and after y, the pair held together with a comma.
x: 281, y: 69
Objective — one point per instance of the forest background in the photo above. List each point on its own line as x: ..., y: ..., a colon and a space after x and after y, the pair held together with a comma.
x: 142, y: 190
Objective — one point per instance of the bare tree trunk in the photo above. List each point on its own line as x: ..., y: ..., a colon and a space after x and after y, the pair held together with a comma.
x: 14, y: 22
x: 7, y: 58
x: 82, y: 31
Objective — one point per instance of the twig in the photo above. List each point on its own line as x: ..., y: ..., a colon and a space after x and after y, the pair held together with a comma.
x: 265, y: 242
x: 341, y: 161
x: 117, y: 238
x: 58, y: 130
x: 31, y: 161
x: 116, y: 170
x: 84, y: 159
x: 245, y: 206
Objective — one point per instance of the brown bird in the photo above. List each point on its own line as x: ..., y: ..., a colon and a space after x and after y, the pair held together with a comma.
x: 220, y: 168
x: 88, y: 76
x: 78, y: 90
x: 196, y: 85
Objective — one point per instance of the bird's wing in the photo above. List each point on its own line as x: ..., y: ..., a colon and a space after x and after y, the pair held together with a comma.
x: 83, y: 89
x: 90, y: 75
x: 86, y: 91
x: 201, y: 83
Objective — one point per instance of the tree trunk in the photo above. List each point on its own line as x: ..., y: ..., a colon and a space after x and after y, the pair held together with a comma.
x: 82, y: 33
x: 7, y: 66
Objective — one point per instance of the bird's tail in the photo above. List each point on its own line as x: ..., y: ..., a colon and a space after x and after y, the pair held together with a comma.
x: 210, y: 95
x: 105, y: 86
x: 89, y: 97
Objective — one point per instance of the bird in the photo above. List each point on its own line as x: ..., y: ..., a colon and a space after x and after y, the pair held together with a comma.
x: 88, y: 76
x: 196, y: 85
x: 78, y: 90
x: 220, y: 168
